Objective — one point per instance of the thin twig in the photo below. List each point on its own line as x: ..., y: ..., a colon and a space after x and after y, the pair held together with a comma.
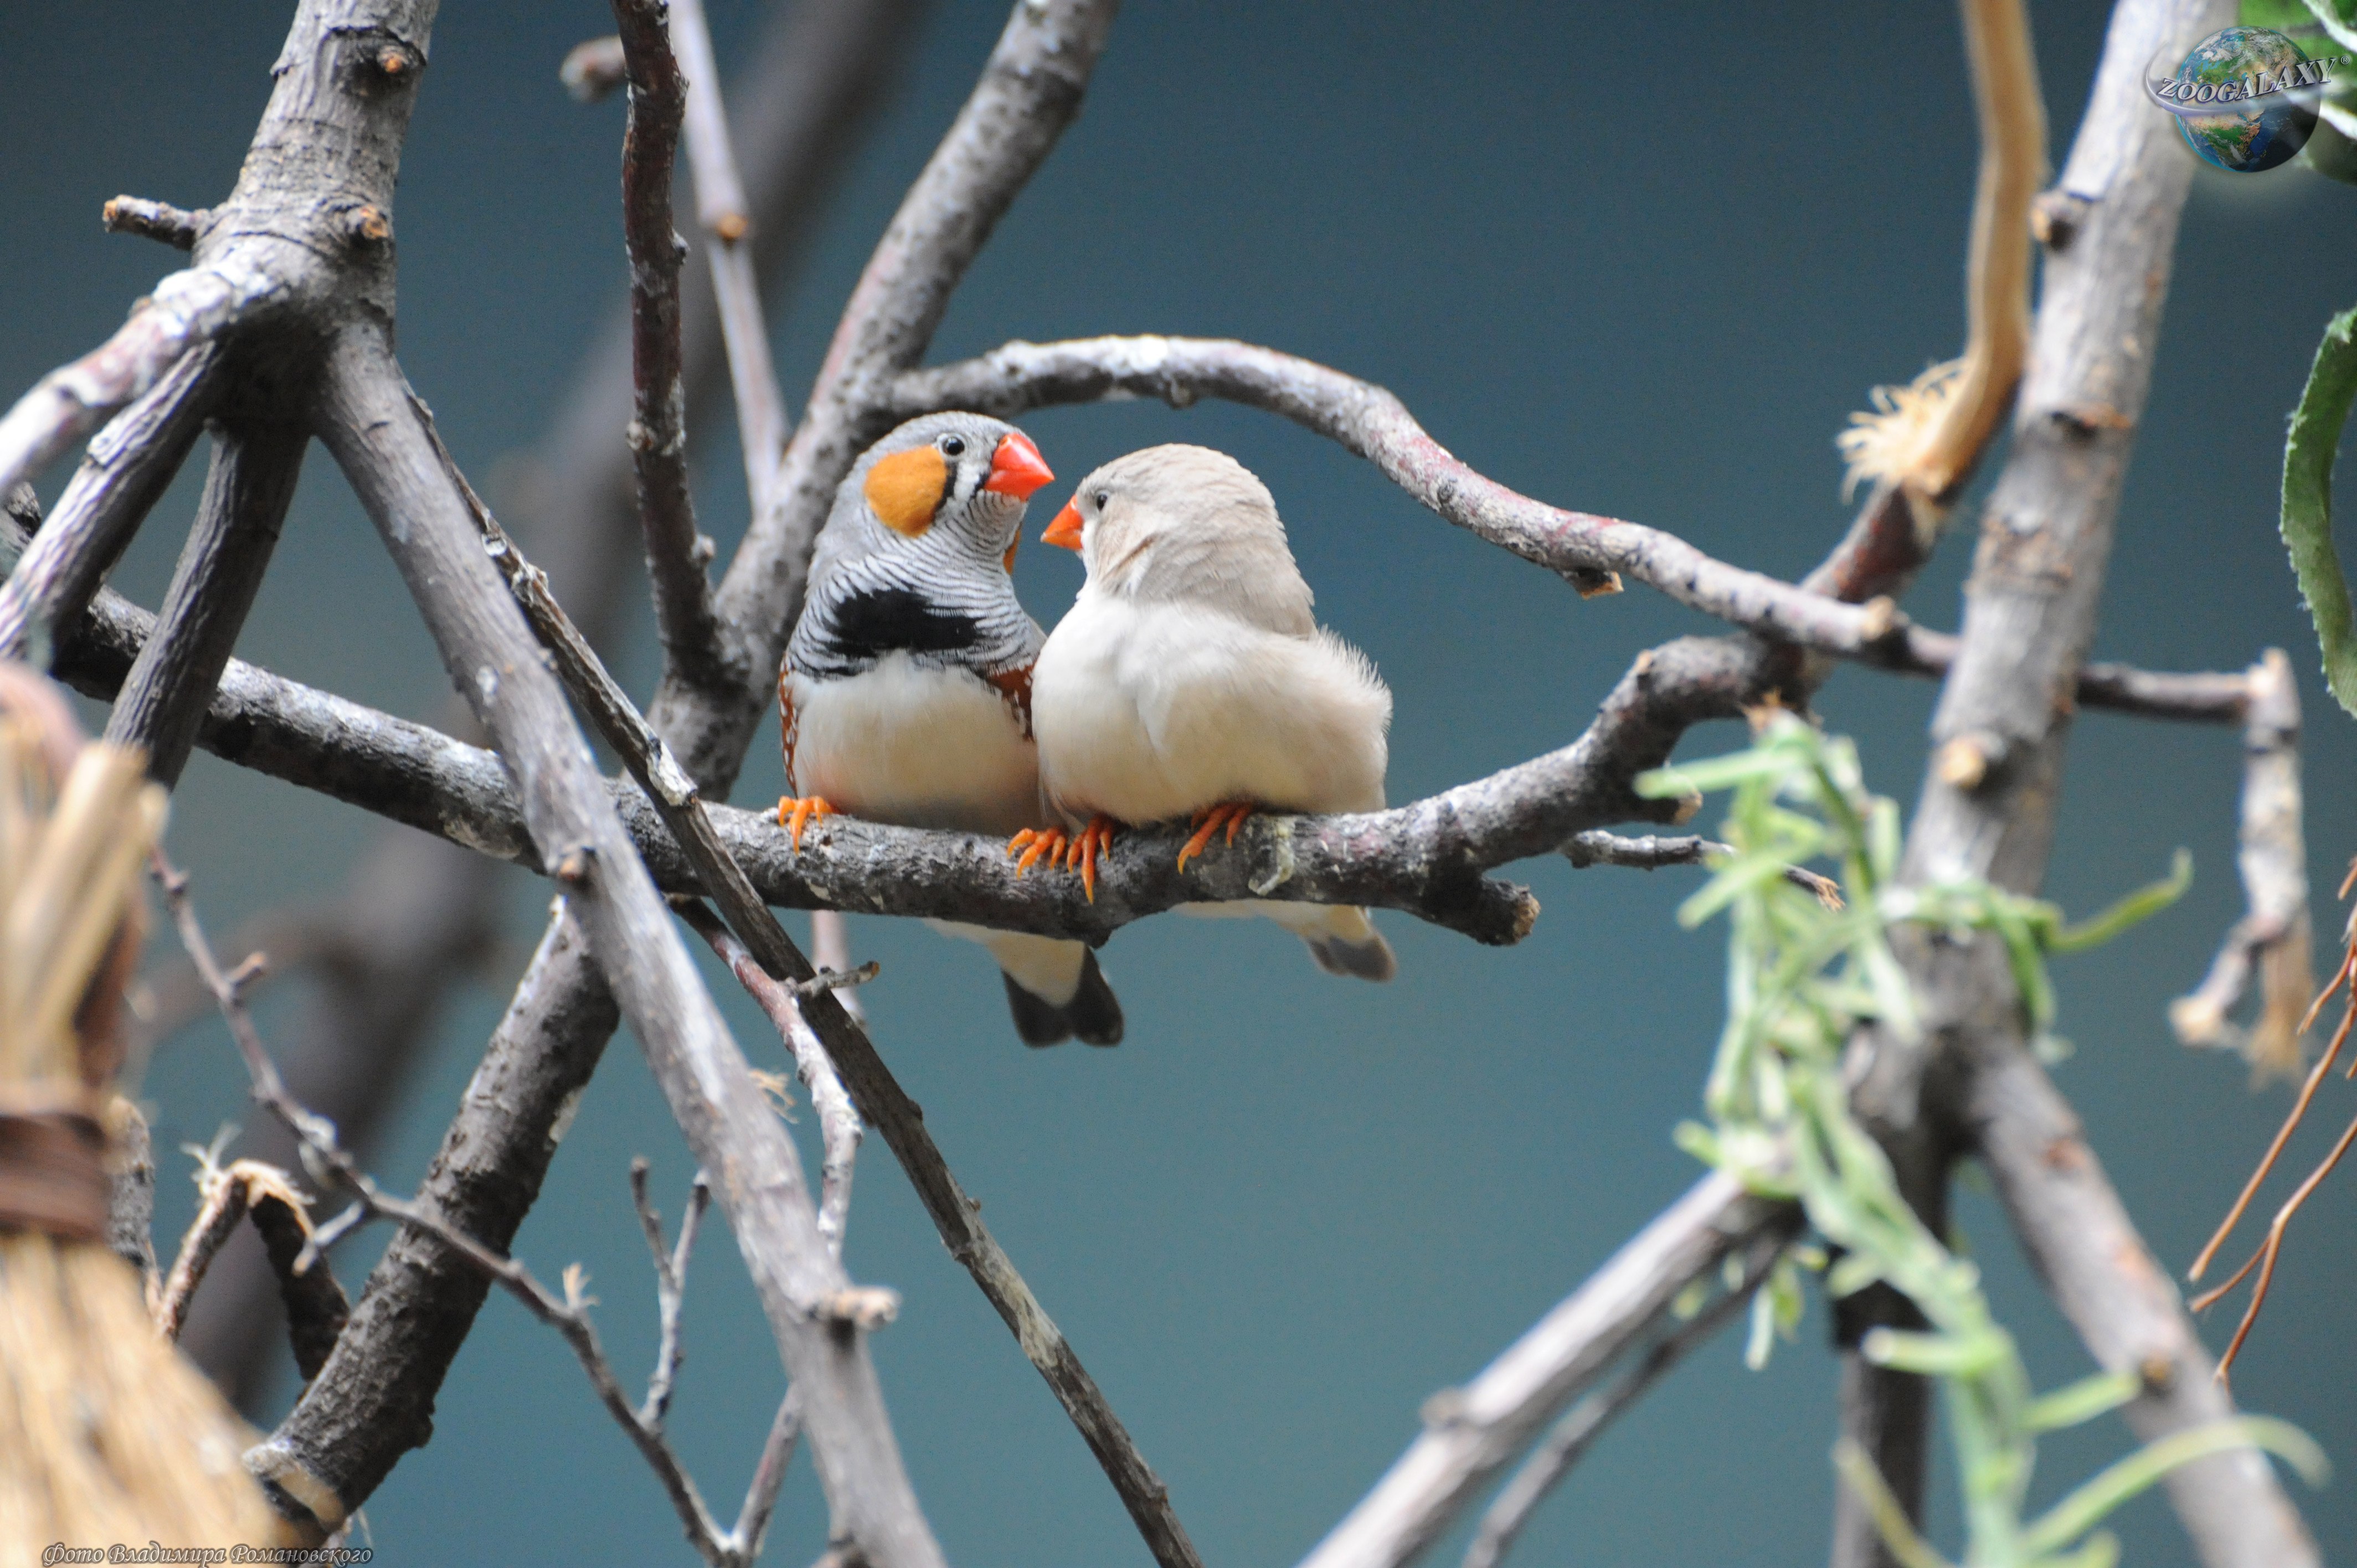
x: 2272, y: 938
x: 676, y: 554
x: 156, y: 221
x: 722, y: 210
x: 1651, y: 851
x: 1576, y: 1434
x: 593, y: 68
x: 671, y: 1286
x: 1470, y: 1433
x: 838, y: 1121
x: 568, y: 1314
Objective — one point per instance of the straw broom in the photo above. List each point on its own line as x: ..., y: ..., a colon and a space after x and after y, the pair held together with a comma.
x: 106, y: 1433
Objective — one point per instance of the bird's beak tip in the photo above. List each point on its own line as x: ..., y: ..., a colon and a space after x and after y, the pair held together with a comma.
x: 1065, y: 529
x: 1016, y: 469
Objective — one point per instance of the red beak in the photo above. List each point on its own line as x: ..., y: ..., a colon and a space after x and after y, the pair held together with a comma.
x: 1016, y: 469
x: 1066, y: 528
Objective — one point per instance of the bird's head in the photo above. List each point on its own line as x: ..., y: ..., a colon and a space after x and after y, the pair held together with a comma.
x: 1171, y: 514
x: 955, y: 479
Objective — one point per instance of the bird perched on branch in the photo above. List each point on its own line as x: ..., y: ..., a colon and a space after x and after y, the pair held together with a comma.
x: 906, y: 692
x: 1190, y: 679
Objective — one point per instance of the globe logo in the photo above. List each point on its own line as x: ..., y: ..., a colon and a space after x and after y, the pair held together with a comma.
x: 2245, y: 98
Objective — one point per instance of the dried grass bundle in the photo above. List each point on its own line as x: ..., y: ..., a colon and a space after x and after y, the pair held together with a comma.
x: 107, y: 1434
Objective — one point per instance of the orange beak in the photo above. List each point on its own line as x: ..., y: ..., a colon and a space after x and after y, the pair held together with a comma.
x: 1016, y: 469
x: 1066, y: 528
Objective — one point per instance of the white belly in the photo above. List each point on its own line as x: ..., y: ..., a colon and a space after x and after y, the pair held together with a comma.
x: 919, y: 748
x: 1146, y: 713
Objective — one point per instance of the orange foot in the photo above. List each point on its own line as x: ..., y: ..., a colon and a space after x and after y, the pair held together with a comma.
x: 1060, y: 848
x: 795, y: 815
x: 1208, y: 821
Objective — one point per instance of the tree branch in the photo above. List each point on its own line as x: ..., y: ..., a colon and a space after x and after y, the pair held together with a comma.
x: 692, y: 642
x: 1502, y: 1524
x: 2273, y: 939
x: 156, y: 220
x: 1473, y: 1432
x: 382, y: 439
x: 1987, y: 807
x: 722, y: 210
x: 1423, y: 858
x: 171, y: 684
x: 418, y: 913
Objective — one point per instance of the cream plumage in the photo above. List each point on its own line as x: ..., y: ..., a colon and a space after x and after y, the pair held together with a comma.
x: 1190, y: 678
x: 904, y: 696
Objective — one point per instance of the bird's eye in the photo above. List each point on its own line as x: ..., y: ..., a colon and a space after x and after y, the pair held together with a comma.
x: 953, y: 446
x: 1100, y: 498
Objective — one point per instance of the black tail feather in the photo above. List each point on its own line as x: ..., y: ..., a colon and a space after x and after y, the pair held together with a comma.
x: 1040, y: 1023
x: 1095, y: 1011
x: 1092, y: 1015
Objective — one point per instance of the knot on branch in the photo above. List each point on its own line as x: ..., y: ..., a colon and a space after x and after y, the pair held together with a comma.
x: 860, y: 1308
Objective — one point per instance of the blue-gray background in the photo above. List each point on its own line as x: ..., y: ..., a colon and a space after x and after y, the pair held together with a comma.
x: 1645, y: 268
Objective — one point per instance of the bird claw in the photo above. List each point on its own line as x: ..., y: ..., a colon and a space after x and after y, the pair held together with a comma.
x: 1209, y: 820
x: 1096, y: 840
x: 795, y: 814
x: 1071, y: 851
x: 1035, y: 842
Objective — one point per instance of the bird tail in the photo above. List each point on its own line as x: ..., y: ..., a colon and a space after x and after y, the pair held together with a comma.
x: 1055, y: 992
x: 1341, y: 937
x: 1348, y: 943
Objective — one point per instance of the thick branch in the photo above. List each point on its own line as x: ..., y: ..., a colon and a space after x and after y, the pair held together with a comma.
x: 418, y: 913
x: 381, y: 440
x: 1424, y: 858
x: 1987, y: 808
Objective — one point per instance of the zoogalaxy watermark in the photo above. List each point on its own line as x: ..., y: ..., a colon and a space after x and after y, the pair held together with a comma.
x: 2247, y: 99
x: 59, y: 1553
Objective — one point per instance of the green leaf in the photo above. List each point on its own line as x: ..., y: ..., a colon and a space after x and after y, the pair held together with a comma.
x: 2316, y: 427
x: 1890, y: 1521
x: 1712, y: 774
x: 2075, y: 1515
x: 1932, y: 1355
x: 2137, y: 906
x: 2082, y: 1401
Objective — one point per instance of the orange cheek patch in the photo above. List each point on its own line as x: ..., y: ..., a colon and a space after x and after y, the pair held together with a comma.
x: 905, y: 489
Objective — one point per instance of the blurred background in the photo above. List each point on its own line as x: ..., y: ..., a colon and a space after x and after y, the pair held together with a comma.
x: 1646, y: 269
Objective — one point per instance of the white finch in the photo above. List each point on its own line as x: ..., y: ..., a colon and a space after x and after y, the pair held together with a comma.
x: 906, y: 692
x: 1190, y: 679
